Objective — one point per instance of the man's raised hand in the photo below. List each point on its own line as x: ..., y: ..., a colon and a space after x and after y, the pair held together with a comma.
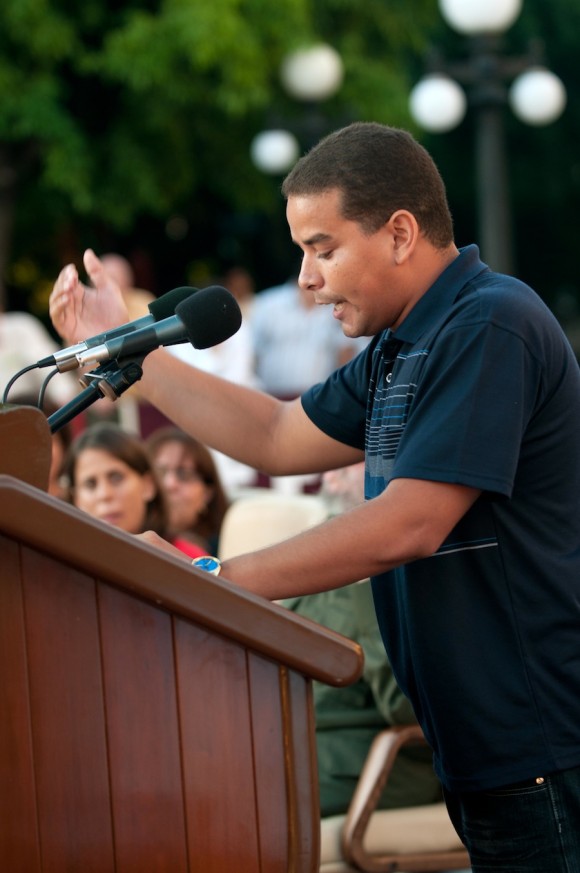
x: 79, y: 311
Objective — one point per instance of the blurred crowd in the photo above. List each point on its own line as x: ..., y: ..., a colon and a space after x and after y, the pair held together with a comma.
x: 285, y: 344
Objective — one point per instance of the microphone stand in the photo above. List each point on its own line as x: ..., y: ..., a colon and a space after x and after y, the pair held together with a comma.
x: 109, y: 380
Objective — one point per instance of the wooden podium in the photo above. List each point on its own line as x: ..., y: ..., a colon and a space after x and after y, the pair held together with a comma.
x: 153, y: 718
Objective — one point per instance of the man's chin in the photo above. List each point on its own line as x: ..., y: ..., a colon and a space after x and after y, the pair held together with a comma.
x: 352, y: 331
x: 345, y: 326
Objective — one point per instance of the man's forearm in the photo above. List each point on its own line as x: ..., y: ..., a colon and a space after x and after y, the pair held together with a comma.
x: 235, y: 420
x: 409, y: 521
x: 248, y: 425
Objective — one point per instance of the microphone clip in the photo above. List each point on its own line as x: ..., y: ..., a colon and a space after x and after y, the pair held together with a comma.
x: 109, y: 380
x: 115, y: 377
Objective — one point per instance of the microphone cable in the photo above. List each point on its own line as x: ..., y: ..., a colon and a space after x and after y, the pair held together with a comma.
x: 14, y: 378
x: 44, y: 386
x: 42, y: 392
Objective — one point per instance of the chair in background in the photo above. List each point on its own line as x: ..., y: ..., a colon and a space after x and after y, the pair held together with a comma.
x: 264, y: 517
x: 419, y: 838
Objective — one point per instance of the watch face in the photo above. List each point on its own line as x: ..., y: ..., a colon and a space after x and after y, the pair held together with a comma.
x: 209, y: 564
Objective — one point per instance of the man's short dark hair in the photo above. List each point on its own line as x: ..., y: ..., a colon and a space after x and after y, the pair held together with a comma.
x: 378, y: 170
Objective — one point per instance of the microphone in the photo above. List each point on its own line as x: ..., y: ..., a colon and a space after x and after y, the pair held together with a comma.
x: 163, y: 307
x: 204, y: 319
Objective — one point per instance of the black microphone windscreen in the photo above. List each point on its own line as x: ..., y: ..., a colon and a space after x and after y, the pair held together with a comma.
x: 165, y: 306
x: 210, y: 316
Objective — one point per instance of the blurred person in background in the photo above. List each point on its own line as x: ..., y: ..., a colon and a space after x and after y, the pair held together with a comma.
x: 232, y: 360
x: 137, y: 299
x: 108, y: 475
x: 195, y: 496
x: 348, y: 719
x: 23, y: 341
x: 240, y: 282
x: 296, y: 344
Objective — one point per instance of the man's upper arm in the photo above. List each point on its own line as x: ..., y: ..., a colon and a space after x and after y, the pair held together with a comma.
x: 310, y: 448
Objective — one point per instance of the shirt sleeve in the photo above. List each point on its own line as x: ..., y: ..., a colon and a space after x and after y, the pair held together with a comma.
x: 338, y: 405
x: 471, y: 409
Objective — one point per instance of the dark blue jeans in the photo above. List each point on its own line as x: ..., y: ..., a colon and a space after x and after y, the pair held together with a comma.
x: 530, y: 827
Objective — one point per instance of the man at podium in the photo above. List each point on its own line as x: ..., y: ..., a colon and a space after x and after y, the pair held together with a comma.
x: 465, y: 407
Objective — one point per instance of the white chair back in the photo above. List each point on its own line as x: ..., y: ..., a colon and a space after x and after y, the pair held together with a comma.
x: 262, y: 519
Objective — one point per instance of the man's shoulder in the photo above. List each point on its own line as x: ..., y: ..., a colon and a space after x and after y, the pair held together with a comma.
x: 504, y: 302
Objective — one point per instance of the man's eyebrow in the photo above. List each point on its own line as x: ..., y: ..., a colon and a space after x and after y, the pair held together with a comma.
x: 317, y: 238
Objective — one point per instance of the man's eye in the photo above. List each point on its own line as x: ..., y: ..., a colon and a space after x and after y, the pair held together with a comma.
x: 323, y: 256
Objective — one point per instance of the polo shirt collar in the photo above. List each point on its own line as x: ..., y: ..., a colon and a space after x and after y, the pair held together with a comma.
x: 442, y: 294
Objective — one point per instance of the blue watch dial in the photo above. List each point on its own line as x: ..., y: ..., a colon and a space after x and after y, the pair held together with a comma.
x: 207, y: 563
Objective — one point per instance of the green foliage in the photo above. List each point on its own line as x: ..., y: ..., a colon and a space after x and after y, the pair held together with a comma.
x: 118, y: 114
x: 111, y: 110
x: 42, y: 35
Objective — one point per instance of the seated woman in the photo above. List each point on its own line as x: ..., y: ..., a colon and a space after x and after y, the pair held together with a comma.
x: 196, y: 497
x: 109, y: 475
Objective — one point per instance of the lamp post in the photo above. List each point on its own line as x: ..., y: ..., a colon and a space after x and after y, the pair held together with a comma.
x: 309, y: 75
x: 438, y: 103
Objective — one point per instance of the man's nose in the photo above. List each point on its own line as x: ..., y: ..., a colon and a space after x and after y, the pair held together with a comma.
x: 310, y: 277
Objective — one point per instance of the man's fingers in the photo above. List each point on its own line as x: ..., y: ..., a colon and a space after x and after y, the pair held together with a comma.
x: 62, y: 290
x: 76, y: 308
x: 66, y: 281
x: 95, y: 270
x: 70, y: 277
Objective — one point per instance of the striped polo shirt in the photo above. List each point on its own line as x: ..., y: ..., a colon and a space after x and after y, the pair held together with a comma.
x: 478, y: 387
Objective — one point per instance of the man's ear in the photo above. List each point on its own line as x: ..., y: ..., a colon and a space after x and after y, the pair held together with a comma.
x: 405, y: 231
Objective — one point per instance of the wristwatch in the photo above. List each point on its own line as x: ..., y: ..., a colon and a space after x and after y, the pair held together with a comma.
x: 209, y: 564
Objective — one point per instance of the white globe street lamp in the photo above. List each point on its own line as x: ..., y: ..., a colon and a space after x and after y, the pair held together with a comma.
x: 274, y: 151
x: 314, y: 73
x: 310, y: 75
x: 473, y: 17
x: 438, y: 103
x: 536, y: 96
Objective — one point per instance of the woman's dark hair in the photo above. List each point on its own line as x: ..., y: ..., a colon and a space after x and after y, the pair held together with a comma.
x: 129, y: 449
x: 378, y: 170
x: 209, y: 524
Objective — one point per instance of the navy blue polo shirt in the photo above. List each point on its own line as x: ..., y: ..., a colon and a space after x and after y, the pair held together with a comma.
x: 479, y: 387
